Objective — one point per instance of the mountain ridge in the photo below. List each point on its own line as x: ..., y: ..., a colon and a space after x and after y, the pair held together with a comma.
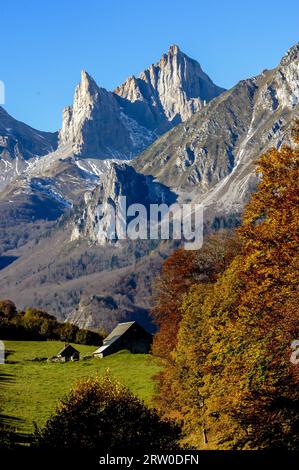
x: 209, y: 158
x: 20, y: 143
x: 96, y: 130
x: 226, y: 136
x: 124, y: 122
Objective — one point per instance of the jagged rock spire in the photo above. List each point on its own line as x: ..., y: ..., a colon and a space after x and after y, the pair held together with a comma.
x: 102, y: 124
x: 173, y: 89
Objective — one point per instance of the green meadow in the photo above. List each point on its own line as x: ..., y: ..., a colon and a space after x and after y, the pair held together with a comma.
x: 30, y: 390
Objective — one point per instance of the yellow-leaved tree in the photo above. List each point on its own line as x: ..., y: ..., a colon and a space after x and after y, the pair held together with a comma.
x: 234, y: 379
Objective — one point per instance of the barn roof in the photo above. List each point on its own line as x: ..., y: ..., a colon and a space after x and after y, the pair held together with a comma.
x: 118, y: 331
x: 102, y: 349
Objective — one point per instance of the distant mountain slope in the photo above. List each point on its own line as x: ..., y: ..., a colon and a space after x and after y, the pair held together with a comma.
x: 87, y: 283
x: 210, y: 157
x: 20, y: 145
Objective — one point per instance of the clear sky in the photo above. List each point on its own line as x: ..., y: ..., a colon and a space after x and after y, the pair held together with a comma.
x: 46, y: 43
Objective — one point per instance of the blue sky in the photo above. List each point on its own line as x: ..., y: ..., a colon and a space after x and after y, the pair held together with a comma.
x: 46, y: 44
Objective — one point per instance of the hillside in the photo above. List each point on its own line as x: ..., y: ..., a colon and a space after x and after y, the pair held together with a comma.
x: 72, y: 271
x: 31, y: 389
x: 93, y: 285
x: 210, y: 157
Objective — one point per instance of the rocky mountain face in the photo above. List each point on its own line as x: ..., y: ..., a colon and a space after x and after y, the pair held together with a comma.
x: 21, y: 203
x: 210, y: 158
x: 168, y: 92
x: 20, y: 145
x: 69, y: 268
x: 38, y: 184
x: 96, y: 126
x: 121, y: 180
x: 121, y: 124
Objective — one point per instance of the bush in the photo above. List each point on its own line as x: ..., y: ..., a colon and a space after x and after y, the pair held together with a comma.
x: 102, y: 414
x: 8, y: 438
x: 68, y: 332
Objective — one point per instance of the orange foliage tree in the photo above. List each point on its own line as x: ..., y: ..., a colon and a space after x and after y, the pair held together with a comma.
x: 180, y: 271
x: 233, y: 379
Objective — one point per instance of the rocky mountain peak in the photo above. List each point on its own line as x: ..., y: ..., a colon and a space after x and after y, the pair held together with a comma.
x: 87, y: 85
x: 93, y: 124
x: 174, y: 49
x: 281, y: 90
x: 173, y: 52
x: 291, y: 55
x: 169, y: 91
x: 86, y: 92
x: 85, y: 77
x: 121, y: 124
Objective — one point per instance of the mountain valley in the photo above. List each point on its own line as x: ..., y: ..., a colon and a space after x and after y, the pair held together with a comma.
x: 168, y: 135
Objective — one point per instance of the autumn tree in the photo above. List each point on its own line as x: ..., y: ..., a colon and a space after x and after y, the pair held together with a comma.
x: 233, y: 378
x: 38, y: 323
x: 178, y: 274
x: 180, y: 271
x: 8, y: 309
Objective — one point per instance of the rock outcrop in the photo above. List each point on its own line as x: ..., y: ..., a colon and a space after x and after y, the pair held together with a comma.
x: 97, y: 223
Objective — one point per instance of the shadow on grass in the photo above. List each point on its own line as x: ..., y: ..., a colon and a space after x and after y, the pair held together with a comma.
x: 6, y: 379
x: 9, y: 352
x: 10, y: 437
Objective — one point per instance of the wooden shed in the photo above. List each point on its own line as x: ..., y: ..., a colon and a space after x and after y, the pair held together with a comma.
x: 68, y: 353
x: 128, y: 335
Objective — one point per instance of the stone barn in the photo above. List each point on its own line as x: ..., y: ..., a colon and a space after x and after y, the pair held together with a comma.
x: 130, y: 336
x: 68, y: 353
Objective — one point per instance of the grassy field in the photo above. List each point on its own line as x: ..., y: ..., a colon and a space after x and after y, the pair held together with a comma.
x: 30, y: 390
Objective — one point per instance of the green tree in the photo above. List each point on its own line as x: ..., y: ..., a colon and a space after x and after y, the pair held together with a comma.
x: 68, y: 332
x: 88, y: 337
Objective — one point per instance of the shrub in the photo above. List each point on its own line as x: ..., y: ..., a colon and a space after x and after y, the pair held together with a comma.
x: 102, y: 414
